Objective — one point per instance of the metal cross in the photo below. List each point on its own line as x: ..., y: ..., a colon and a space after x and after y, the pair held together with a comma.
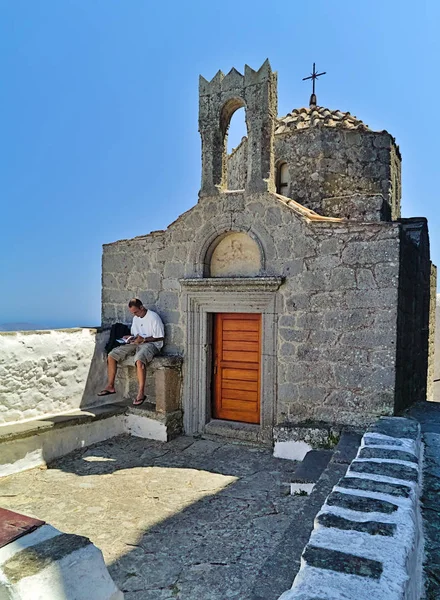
x: 313, y: 76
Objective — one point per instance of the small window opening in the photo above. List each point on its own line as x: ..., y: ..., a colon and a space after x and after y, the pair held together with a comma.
x: 282, y: 182
x: 237, y: 129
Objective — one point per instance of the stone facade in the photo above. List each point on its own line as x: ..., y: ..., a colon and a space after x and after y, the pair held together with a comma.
x: 330, y: 287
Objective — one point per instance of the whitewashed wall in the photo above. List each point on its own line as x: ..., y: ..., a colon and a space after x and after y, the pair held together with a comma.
x: 48, y: 372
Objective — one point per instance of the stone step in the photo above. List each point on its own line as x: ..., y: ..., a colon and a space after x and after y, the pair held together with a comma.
x: 309, y: 471
x: 247, y: 433
x: 315, y: 462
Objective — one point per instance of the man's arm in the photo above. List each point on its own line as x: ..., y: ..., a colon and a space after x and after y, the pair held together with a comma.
x: 146, y: 340
x: 152, y: 339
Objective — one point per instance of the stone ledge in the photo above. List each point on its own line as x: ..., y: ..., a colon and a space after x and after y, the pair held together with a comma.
x: 33, y: 567
x: 375, y: 518
x: 36, y: 443
x: 35, y: 427
x: 48, y: 331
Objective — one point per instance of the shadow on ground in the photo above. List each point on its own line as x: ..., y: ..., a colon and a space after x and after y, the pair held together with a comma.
x: 189, y: 519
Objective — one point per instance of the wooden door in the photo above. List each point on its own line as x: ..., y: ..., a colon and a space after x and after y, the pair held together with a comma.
x: 237, y: 358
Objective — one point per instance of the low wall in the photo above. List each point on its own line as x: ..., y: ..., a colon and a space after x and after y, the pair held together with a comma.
x: 49, y: 372
x: 368, y: 538
x: 47, y: 563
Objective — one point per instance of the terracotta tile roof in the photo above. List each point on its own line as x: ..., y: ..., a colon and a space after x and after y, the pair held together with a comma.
x: 316, y: 116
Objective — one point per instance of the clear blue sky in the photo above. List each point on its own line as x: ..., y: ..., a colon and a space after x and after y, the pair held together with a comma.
x: 98, y: 119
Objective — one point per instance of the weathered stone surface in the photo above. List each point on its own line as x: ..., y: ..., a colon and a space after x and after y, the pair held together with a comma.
x: 327, y: 166
x: 46, y: 372
x: 279, y: 570
x: 360, y: 503
x: 337, y: 308
x: 396, y: 427
x: 388, y: 454
x: 310, y: 468
x: 32, y: 560
x: 370, y: 485
x: 371, y: 440
x: 370, y: 527
x: 342, y: 562
x: 397, y: 471
x: 347, y: 447
x: 428, y: 415
x: 180, y: 517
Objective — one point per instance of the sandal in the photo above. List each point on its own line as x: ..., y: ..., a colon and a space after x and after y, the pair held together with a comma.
x: 105, y: 393
x: 139, y: 402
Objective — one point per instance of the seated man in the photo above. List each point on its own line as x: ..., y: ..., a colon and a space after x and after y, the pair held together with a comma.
x: 146, y: 340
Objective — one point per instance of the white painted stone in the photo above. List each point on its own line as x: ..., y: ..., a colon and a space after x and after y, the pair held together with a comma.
x: 291, y: 450
x: 79, y: 575
x: 401, y: 554
x: 45, y: 372
x: 296, y: 488
x: 42, y: 447
x: 33, y: 451
x: 405, y: 444
x: 146, y: 428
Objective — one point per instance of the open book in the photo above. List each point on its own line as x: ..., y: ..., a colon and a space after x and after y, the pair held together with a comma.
x: 127, y: 341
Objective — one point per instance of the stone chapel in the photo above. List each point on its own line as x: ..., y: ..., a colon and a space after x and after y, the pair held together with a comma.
x: 293, y: 289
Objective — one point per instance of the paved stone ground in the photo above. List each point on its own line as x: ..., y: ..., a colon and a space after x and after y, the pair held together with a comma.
x: 428, y: 415
x: 189, y: 519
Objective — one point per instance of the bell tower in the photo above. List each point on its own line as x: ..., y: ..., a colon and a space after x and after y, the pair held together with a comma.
x: 219, y: 98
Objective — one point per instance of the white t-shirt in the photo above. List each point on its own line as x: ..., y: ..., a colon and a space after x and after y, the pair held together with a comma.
x: 149, y: 326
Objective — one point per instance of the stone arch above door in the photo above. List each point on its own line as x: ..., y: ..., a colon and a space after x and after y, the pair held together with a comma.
x: 213, y: 232
x: 235, y: 254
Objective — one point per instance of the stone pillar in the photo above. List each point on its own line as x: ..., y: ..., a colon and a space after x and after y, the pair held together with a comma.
x: 261, y: 102
x: 168, y: 385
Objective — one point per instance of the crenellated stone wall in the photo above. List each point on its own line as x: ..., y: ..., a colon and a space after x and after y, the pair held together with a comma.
x: 336, y: 310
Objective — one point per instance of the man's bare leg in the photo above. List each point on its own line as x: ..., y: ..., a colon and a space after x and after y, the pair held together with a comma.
x: 112, y: 367
x: 141, y: 375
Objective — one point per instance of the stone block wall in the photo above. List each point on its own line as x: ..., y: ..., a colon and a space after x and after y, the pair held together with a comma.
x: 326, y: 162
x: 337, y: 316
x: 415, y: 281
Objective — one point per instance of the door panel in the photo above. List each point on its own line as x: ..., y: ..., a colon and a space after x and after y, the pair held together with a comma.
x: 237, y: 358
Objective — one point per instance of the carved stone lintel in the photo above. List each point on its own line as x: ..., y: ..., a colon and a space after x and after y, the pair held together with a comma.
x: 231, y: 284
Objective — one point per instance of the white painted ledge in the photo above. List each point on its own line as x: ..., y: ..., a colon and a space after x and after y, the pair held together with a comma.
x: 80, y: 574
